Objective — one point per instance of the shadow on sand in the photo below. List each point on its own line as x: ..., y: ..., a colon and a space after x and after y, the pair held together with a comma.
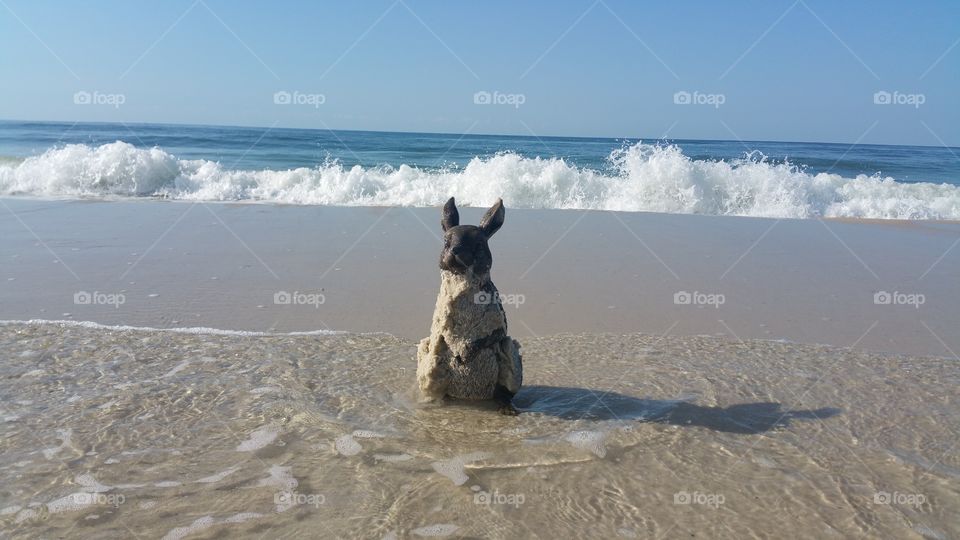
x: 583, y: 403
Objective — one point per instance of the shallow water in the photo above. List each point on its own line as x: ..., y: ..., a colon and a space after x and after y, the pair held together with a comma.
x: 120, y: 433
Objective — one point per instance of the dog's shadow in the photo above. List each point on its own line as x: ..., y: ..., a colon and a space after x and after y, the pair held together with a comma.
x: 583, y: 403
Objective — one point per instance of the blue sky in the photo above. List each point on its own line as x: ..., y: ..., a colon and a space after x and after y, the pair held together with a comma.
x: 760, y: 70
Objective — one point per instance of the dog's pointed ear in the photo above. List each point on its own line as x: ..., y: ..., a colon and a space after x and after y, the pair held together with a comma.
x: 493, y: 219
x: 450, y: 217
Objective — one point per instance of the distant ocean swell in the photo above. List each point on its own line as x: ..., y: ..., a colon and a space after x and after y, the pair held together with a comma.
x: 641, y: 177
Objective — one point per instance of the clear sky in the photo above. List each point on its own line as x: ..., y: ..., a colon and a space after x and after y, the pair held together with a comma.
x: 803, y: 70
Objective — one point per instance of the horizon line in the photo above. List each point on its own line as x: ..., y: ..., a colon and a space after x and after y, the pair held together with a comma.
x: 453, y: 133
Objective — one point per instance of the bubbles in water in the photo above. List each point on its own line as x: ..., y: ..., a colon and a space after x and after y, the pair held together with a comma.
x: 438, y: 530
x: 455, y: 468
x: 218, y: 476
x: 591, y: 441
x: 182, y: 532
x: 347, y: 446
x: 259, y: 439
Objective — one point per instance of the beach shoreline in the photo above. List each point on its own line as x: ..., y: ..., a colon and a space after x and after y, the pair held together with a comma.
x: 287, y: 268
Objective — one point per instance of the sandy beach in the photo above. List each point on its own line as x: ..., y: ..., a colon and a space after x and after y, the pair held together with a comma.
x: 886, y: 286
x: 684, y: 376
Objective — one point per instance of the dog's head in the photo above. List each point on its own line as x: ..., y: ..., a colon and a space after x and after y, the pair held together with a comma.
x: 465, y: 246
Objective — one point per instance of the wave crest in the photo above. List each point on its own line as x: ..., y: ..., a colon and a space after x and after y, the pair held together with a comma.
x: 641, y: 177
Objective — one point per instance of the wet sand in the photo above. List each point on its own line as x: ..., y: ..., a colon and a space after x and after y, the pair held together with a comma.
x: 180, y: 264
x: 120, y: 434
x: 674, y: 385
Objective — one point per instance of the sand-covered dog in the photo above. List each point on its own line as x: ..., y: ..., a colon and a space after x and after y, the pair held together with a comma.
x: 469, y: 354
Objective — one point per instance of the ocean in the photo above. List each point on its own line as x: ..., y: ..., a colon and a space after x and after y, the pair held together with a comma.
x: 354, y: 168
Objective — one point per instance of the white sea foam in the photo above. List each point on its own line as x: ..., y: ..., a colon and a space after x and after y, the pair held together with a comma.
x: 591, y: 441
x: 198, y: 524
x: 206, y: 522
x: 437, y: 530
x: 259, y: 439
x: 641, y: 177
x: 456, y: 468
x: 218, y: 476
x: 346, y: 445
x: 392, y: 458
x: 280, y: 478
x: 200, y: 330
x: 168, y: 484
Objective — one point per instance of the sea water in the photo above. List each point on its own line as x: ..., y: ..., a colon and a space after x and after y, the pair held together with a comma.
x: 351, y: 168
x: 133, y: 432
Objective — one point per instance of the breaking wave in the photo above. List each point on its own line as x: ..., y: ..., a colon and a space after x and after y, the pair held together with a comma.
x: 641, y: 177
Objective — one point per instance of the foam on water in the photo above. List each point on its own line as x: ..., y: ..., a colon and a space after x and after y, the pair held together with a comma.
x: 437, y: 530
x: 456, y: 468
x: 199, y: 524
x: 346, y: 445
x: 280, y: 478
x: 591, y: 441
x: 641, y: 177
x: 199, y: 330
x: 259, y: 439
x: 206, y: 522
